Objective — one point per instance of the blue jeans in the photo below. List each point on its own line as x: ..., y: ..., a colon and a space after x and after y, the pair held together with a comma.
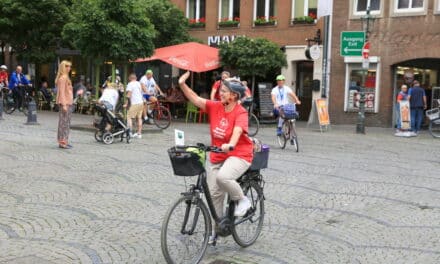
x: 399, y: 126
x: 416, y: 119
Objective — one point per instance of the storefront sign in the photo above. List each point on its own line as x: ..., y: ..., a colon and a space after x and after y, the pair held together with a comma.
x: 352, y: 43
x: 214, y: 41
x: 322, y: 109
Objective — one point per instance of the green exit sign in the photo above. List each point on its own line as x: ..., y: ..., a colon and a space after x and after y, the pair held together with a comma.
x: 352, y: 43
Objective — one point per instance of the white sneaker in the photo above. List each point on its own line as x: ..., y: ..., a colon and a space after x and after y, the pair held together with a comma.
x: 134, y: 135
x: 139, y: 136
x: 242, y: 207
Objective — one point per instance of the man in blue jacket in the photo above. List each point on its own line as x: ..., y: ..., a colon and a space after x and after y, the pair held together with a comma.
x: 16, y: 83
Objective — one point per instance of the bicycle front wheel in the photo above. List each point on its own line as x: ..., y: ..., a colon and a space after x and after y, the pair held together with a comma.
x: 185, y: 231
x: 254, y: 125
x: 162, y: 117
x: 285, y: 134
x: 434, y: 128
x: 246, y: 229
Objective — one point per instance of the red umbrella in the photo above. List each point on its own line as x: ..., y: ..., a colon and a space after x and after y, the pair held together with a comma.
x: 190, y: 56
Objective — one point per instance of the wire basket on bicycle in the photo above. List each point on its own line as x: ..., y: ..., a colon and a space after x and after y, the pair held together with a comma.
x: 187, y: 161
x: 288, y: 111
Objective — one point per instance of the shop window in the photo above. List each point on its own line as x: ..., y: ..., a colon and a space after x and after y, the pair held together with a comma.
x: 264, y: 10
x: 358, y: 78
x: 195, y: 9
x: 304, y: 8
x: 360, y: 7
x: 437, y: 7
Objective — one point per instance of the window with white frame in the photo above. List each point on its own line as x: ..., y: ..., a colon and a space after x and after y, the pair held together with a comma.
x: 360, y: 7
x: 357, y: 77
x: 195, y: 9
x: 409, y: 5
x: 265, y: 9
x: 229, y: 10
x: 302, y: 8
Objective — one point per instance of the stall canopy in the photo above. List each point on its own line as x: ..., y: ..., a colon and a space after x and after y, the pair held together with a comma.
x: 190, y: 56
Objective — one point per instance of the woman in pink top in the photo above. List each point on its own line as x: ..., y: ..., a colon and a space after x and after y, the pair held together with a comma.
x: 64, y: 101
x: 228, y: 128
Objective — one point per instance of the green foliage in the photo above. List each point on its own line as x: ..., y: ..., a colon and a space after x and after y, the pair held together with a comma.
x: 252, y: 57
x: 170, y: 23
x: 33, y: 28
x: 110, y: 29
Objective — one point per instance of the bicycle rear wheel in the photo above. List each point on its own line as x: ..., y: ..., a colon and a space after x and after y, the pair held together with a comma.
x: 185, y: 232
x: 434, y: 128
x: 247, y: 229
x: 285, y: 134
x: 162, y: 117
x: 294, y: 138
x: 8, y: 103
x: 254, y: 125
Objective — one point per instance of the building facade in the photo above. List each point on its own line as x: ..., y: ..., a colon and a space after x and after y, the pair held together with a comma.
x: 404, y: 45
x: 286, y: 22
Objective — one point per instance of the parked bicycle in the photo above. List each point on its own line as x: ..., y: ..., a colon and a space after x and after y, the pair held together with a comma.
x: 434, y: 120
x: 160, y: 114
x: 10, y: 103
x: 288, y: 129
x: 187, y: 225
x: 254, y: 124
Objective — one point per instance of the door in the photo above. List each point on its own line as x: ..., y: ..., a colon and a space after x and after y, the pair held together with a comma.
x: 304, y: 83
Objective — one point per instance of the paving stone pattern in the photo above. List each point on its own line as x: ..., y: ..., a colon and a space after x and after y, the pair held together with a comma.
x: 344, y: 198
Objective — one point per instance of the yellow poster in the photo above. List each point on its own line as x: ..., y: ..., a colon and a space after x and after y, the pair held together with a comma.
x: 405, y: 115
x: 322, y: 109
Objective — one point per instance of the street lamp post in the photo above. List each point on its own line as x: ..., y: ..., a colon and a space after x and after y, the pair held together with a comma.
x: 360, y: 126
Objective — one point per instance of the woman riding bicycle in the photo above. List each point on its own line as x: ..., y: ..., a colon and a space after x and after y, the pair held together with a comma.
x: 228, y: 129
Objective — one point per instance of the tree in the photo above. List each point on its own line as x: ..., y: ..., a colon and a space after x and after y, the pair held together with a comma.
x: 32, y: 28
x: 110, y: 29
x: 115, y: 30
x: 170, y: 23
x: 252, y: 57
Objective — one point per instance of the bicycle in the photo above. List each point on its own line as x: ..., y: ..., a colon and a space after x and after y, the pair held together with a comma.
x: 253, y: 123
x: 160, y: 114
x: 288, y: 129
x: 187, y: 225
x: 434, y: 120
x: 10, y: 103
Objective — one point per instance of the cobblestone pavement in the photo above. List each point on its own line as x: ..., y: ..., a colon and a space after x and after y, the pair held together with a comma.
x: 344, y: 198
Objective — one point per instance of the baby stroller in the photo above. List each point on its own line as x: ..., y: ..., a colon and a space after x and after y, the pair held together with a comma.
x: 118, y: 126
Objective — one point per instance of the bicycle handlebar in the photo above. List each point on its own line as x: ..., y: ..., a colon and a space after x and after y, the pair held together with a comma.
x: 212, y: 148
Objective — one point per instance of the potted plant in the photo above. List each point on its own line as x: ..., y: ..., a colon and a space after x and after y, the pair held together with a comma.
x: 197, y: 23
x: 226, y: 22
x: 263, y: 21
x: 310, y: 19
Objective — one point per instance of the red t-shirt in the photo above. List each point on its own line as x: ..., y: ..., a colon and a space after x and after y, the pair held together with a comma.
x: 216, y: 87
x: 3, y: 76
x: 221, y: 127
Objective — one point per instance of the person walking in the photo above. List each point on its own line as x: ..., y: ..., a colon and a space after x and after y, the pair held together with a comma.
x: 64, y: 101
x: 417, y: 103
x: 228, y: 128
x: 134, y: 96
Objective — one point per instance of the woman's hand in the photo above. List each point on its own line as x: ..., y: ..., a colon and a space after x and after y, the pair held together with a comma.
x: 184, y: 77
x: 227, y: 147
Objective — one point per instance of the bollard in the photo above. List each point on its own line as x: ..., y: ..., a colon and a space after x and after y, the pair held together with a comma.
x: 1, y: 108
x: 32, y: 113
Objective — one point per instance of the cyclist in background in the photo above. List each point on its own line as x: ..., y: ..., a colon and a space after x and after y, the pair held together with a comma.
x: 280, y: 96
x: 4, y: 76
x: 18, y: 80
x: 228, y: 129
x: 149, y: 84
x: 215, y: 95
